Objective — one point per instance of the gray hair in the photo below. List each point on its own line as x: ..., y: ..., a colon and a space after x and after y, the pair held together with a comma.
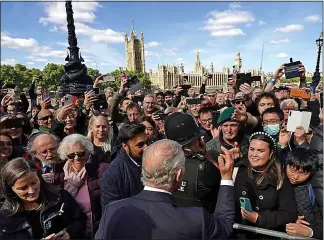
x: 75, y: 139
x: 30, y: 144
x: 288, y: 102
x: 163, y: 174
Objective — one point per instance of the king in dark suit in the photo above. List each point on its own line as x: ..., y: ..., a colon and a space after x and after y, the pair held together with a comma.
x: 151, y: 214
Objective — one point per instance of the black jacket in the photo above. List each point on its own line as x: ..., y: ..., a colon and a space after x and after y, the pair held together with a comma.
x: 121, y: 179
x: 275, y: 207
x: 317, y: 179
x: 18, y: 227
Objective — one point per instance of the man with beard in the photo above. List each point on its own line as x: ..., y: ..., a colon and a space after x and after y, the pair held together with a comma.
x: 229, y: 136
x: 122, y: 178
x: 43, y: 150
x: 169, y: 99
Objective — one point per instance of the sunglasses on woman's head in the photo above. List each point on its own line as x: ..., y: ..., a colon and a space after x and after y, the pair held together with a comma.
x: 72, y: 155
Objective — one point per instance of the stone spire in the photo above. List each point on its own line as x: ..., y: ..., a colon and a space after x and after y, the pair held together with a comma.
x: 197, y: 63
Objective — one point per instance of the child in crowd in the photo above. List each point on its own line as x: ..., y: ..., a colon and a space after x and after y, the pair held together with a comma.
x: 301, y: 165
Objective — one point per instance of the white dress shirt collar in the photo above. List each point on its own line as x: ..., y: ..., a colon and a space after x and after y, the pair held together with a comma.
x: 152, y: 189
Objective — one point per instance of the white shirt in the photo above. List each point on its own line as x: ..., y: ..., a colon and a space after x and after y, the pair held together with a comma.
x: 153, y: 189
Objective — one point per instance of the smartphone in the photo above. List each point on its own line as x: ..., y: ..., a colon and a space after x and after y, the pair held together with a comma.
x: 108, y: 78
x: 291, y: 69
x: 192, y: 101
x: 89, y: 88
x: 15, y: 123
x: 45, y: 96
x: 246, y: 204
x: 300, y: 93
x: 297, y: 118
x: 100, y: 103
x: 161, y: 115
x: 69, y: 99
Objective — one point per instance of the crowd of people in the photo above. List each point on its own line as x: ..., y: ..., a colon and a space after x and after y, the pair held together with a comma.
x: 155, y: 165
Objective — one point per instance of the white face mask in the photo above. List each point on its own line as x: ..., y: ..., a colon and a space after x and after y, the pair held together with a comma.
x: 272, y: 129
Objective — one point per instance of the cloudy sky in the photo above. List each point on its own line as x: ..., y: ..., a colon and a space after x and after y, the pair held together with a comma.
x: 35, y: 33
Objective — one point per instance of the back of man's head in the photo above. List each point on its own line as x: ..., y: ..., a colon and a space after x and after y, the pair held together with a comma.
x: 130, y: 130
x: 163, y: 165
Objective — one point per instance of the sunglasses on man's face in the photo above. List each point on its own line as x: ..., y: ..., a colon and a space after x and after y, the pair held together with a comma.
x: 72, y: 155
x: 46, y: 118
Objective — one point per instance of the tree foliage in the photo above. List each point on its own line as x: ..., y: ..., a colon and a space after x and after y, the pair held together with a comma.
x: 49, y: 77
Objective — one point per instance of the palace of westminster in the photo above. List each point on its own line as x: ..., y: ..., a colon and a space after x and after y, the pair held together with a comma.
x: 168, y: 76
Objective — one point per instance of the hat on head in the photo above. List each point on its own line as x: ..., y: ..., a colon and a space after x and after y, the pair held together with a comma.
x: 239, y: 97
x: 226, y: 115
x: 181, y: 128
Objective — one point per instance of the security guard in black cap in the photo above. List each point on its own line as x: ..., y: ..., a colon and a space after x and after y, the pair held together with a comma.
x: 201, y: 181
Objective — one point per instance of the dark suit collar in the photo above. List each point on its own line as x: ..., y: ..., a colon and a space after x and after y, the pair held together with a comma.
x: 154, y: 196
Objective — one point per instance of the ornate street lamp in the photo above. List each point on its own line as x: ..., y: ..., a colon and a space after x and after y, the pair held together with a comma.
x: 317, y: 76
x: 75, y: 78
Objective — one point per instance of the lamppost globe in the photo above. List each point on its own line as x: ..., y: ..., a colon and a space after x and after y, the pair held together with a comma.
x: 319, y: 41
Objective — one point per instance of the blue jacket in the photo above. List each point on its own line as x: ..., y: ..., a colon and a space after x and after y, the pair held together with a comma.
x: 152, y: 215
x: 121, y: 179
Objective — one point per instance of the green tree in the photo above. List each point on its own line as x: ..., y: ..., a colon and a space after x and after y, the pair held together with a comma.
x: 93, y: 73
x: 143, y: 77
x: 8, y: 74
x: 51, y: 76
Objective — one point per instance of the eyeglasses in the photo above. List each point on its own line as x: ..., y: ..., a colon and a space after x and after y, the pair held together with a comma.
x: 72, y: 155
x: 271, y: 122
x: 239, y: 102
x: 207, y: 120
x: 46, y: 118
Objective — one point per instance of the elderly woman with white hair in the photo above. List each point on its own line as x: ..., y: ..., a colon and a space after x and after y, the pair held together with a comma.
x: 82, y: 176
x: 288, y: 105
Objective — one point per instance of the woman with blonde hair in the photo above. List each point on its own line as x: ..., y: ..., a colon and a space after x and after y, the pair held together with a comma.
x: 100, y: 134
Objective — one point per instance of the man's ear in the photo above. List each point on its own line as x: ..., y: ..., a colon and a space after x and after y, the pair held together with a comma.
x: 125, y: 146
x: 179, y: 176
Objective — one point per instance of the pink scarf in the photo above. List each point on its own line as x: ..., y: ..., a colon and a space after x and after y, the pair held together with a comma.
x: 73, y: 180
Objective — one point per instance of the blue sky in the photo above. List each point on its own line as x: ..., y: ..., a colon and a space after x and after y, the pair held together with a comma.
x: 34, y: 33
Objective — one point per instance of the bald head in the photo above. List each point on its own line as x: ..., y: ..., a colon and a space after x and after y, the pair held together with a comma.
x: 44, y: 113
x: 161, y: 162
x: 45, y: 148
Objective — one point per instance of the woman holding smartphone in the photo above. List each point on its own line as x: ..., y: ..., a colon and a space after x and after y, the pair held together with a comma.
x: 34, y: 209
x: 264, y: 196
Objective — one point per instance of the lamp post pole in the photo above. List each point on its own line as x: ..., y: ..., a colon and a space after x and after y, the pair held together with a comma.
x: 317, y: 76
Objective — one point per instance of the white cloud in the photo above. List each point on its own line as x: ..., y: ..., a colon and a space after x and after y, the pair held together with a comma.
x: 229, y: 32
x: 30, y: 63
x: 9, y: 61
x: 40, y: 60
x: 151, y: 54
x: 222, y: 24
x: 152, y: 44
x: 83, y: 12
x: 54, y: 29
x: 180, y: 60
x: 105, y: 64
x: 169, y: 51
x: 279, y: 41
x: 234, y: 5
x: 313, y: 18
x: 30, y: 45
x: 281, y: 55
x: 261, y: 23
x: 248, y: 25
x: 290, y: 28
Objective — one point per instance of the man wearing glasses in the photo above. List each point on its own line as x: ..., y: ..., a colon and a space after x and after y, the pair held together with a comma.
x: 44, y: 118
x: 43, y: 150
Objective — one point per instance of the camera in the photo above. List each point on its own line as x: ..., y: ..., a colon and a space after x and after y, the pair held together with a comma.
x: 132, y: 80
x: 291, y: 69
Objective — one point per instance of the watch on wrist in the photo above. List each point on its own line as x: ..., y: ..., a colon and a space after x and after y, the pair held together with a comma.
x: 273, y: 81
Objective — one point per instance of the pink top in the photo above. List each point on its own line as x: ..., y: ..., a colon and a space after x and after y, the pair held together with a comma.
x: 83, y: 199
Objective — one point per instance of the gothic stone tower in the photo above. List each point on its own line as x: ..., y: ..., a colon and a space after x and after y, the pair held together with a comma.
x: 197, y: 67
x: 238, y: 61
x: 135, y: 56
